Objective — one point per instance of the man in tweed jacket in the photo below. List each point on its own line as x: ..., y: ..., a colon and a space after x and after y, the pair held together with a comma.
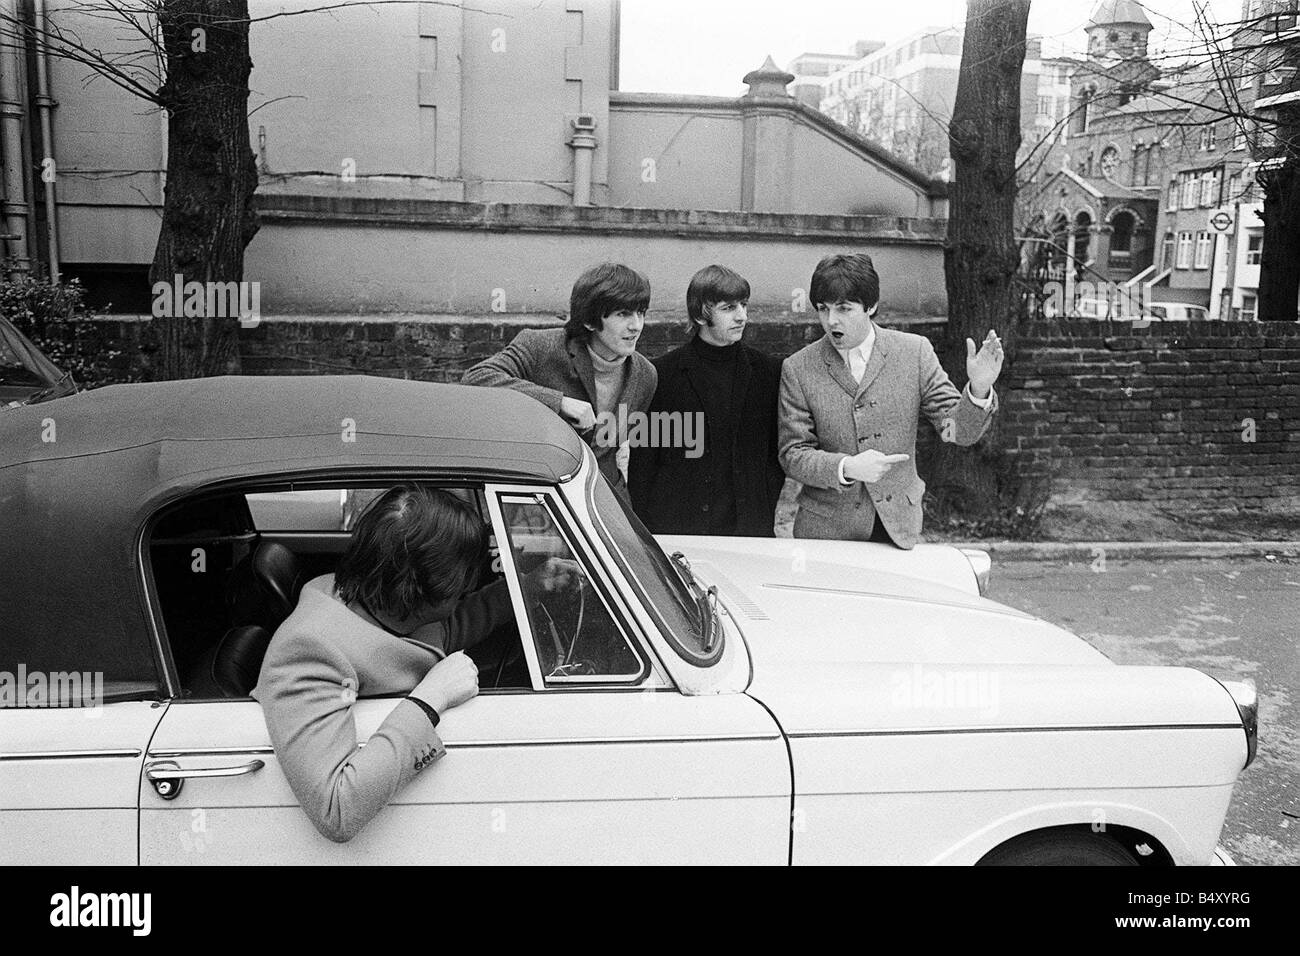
x: 850, y: 404
x: 590, y: 369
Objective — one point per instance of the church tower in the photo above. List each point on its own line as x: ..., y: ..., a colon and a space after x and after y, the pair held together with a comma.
x: 1116, y: 69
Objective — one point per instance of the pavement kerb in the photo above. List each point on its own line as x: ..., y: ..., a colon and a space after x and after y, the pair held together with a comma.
x: 1134, y: 550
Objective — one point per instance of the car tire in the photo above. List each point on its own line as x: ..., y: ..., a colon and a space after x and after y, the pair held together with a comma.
x: 1060, y: 848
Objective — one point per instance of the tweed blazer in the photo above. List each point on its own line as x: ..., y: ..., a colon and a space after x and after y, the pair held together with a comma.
x: 544, y: 365
x: 826, y: 416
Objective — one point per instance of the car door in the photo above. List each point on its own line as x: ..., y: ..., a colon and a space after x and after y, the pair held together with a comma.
x: 70, y: 768
x: 603, y: 760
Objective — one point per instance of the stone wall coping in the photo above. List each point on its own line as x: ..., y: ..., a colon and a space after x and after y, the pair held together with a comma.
x: 605, y: 220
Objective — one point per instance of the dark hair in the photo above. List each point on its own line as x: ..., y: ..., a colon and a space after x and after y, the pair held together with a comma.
x: 845, y: 278
x: 413, y: 545
x: 601, y: 290
x: 711, y: 285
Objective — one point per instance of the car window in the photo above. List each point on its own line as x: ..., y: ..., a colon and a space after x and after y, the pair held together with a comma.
x: 664, y: 588
x: 1157, y: 312
x: 315, y: 509
x: 577, y: 639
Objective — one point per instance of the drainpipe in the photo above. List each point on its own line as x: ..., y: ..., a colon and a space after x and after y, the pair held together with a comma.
x: 45, y: 103
x: 584, y: 147
x: 13, y: 210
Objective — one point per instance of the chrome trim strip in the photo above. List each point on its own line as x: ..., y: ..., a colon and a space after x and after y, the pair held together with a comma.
x: 929, y: 731
x: 210, y: 751
x: 584, y: 741
x: 1001, y: 610
x: 67, y: 754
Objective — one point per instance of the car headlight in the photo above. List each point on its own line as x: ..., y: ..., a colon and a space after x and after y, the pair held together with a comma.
x: 1246, y: 698
x: 981, y: 564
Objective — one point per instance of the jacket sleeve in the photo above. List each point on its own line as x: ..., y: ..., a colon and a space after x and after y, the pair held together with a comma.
x: 801, y: 456
x: 954, y: 416
x: 475, y: 618
x: 776, y: 473
x: 515, y: 366
x: 307, y: 689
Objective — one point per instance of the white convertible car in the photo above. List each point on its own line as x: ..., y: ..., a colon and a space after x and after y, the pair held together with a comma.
x: 693, y: 700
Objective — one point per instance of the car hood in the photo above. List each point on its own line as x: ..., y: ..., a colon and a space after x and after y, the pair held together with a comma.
x: 850, y: 645
x: 843, y: 602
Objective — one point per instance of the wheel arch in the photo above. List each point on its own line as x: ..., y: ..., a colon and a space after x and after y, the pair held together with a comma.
x: 1126, y: 838
x: 1121, y: 821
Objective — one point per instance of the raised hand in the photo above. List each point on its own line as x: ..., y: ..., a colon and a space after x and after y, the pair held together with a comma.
x: 984, y: 367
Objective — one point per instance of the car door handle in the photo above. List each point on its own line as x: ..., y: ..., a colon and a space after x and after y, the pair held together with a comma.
x: 168, y: 777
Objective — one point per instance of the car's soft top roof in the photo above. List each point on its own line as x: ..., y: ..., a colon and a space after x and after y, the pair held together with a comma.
x: 79, y: 477
x: 308, y: 413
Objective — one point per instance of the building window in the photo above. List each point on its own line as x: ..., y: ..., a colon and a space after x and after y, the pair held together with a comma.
x: 1209, y: 138
x: 1210, y: 188
x: 1172, y: 201
x: 1239, y: 138
x: 1139, y: 157
x: 1189, y: 191
x: 1044, y: 106
x: 1085, y: 104
x: 1249, y: 307
x: 1204, y: 248
x: 1121, y: 236
x: 1167, y: 252
x: 1254, y: 248
x: 1184, y: 250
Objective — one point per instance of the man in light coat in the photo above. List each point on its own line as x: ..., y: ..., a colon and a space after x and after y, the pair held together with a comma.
x: 850, y: 404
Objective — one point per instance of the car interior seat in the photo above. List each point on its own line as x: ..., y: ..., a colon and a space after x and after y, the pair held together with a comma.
x: 264, y: 591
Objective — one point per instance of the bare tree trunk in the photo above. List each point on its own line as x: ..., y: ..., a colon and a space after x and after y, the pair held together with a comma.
x: 1279, y: 272
x: 981, y: 257
x: 208, y: 212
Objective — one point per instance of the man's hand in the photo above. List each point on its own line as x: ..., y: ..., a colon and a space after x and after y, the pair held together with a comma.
x: 556, y: 574
x: 870, y: 466
x: 451, y: 681
x: 579, y: 413
x: 982, y: 369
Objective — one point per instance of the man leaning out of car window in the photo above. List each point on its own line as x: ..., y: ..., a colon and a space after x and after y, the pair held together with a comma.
x: 396, y: 618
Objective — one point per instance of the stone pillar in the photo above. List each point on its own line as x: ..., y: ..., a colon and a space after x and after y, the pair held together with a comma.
x: 767, y: 133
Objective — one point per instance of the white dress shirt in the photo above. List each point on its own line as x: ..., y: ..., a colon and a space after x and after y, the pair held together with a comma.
x: 857, y: 358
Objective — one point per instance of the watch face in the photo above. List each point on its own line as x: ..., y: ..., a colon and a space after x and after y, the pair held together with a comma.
x: 1109, y: 161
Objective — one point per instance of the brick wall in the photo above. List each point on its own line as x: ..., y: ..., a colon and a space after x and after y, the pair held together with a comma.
x: 1149, y: 415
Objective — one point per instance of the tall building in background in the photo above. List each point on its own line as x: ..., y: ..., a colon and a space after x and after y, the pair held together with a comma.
x: 901, y: 94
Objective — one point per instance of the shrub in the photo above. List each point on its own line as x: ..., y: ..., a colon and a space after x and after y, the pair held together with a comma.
x: 55, y: 318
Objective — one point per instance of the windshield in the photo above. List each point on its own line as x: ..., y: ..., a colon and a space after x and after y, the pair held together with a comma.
x: 677, y: 611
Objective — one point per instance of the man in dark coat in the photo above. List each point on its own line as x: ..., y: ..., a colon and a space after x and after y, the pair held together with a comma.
x: 728, y: 484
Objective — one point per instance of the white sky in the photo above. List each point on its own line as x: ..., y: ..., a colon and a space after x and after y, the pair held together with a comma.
x: 706, y: 46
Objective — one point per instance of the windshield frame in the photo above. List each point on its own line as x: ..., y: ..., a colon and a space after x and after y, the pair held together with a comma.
x: 670, y: 578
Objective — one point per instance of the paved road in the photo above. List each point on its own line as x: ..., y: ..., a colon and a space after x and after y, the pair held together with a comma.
x: 1236, y: 618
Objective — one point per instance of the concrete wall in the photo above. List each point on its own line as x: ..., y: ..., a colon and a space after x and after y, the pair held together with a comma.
x: 330, y: 256
x: 767, y: 155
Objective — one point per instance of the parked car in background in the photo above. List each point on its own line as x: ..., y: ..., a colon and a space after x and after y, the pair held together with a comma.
x: 1175, y: 312
x: 706, y: 700
x: 26, y: 375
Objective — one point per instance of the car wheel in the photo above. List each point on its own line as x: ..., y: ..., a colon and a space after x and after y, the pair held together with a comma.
x: 1060, y: 848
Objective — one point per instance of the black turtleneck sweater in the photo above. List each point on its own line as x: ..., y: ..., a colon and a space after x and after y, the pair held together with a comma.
x: 716, y: 385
